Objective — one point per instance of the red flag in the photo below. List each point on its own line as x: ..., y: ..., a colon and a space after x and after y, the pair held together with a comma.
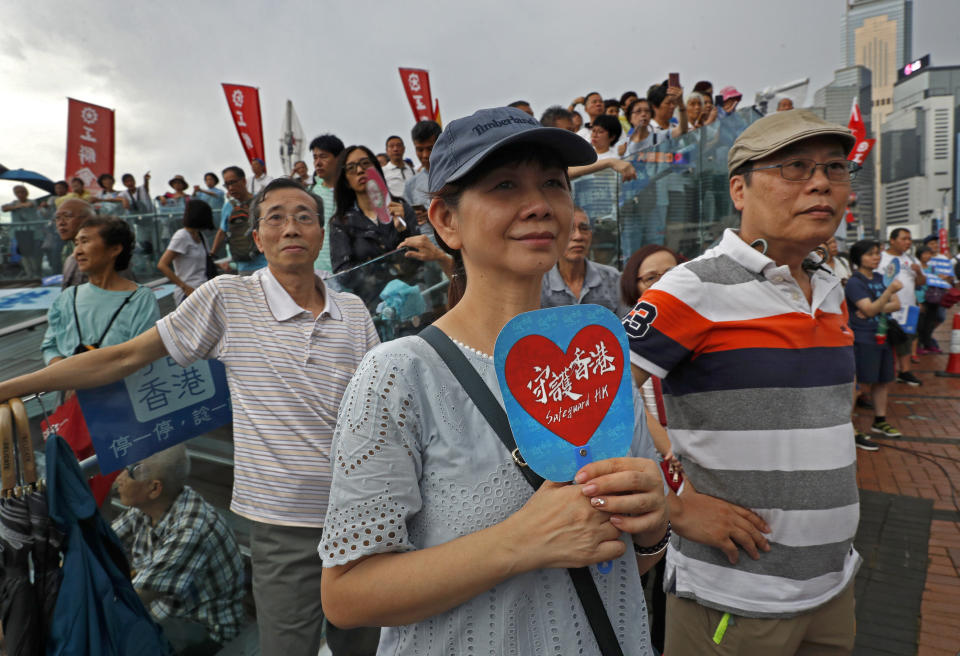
x: 416, y: 83
x: 244, y: 104
x: 89, y: 142
x: 863, y: 146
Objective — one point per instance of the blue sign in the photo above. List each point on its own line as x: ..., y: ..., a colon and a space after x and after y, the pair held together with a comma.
x: 42, y: 298
x: 565, y: 377
x: 154, y: 408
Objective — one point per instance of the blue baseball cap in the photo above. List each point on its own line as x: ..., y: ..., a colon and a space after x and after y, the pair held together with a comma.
x: 465, y: 142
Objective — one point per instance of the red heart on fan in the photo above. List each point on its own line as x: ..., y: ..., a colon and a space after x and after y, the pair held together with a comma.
x: 569, y: 392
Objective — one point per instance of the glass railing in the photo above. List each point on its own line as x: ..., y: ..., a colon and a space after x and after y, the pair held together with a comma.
x: 680, y: 198
x: 402, y: 294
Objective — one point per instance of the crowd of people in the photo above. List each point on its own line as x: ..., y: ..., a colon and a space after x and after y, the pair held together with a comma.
x: 379, y: 492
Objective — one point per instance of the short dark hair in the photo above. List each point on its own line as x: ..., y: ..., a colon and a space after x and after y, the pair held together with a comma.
x: 923, y: 249
x: 328, y: 142
x: 197, y: 214
x: 517, y: 103
x: 216, y: 180
x: 76, y: 179
x: 236, y: 170
x: 586, y: 97
x: 392, y: 136
x: 553, y: 114
x: 425, y: 130
x: 611, y: 102
x: 704, y: 87
x: 282, y: 183
x: 113, y: 232
x: 626, y: 95
x: 61, y: 182
x: 102, y: 176
x: 611, y: 124
x: 124, y: 177
x: 861, y: 248
x: 657, y: 94
x: 895, y: 233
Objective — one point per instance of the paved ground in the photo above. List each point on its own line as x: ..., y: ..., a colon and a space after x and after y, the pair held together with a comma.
x: 909, y: 601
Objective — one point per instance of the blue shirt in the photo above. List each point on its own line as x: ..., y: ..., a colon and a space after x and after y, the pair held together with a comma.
x: 858, y: 287
x: 259, y: 261
x: 215, y: 202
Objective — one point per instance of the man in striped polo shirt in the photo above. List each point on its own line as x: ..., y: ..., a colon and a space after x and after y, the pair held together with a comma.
x: 757, y: 365
x: 290, y: 345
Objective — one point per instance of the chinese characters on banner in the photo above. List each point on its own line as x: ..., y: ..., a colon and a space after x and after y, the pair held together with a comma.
x: 89, y: 142
x: 863, y: 146
x: 154, y: 408
x: 416, y: 83
x: 244, y: 104
x: 564, y: 374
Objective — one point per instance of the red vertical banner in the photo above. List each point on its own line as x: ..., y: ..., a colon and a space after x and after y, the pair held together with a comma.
x: 416, y: 84
x: 244, y: 104
x: 90, y: 132
x: 863, y: 146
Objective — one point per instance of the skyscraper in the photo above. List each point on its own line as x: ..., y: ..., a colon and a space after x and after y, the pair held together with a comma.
x: 878, y: 34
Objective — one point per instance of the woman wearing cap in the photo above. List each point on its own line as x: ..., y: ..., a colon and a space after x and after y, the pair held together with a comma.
x: 432, y: 531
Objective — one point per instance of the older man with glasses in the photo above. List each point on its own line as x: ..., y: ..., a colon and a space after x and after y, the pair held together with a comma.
x: 235, y: 227
x: 576, y: 279
x: 186, y: 563
x: 752, y: 344
x: 290, y: 345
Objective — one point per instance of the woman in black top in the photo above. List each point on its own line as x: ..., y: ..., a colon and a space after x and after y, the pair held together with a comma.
x: 356, y: 235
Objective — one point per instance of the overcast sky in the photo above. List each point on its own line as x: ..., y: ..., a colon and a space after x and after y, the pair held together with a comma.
x: 160, y: 65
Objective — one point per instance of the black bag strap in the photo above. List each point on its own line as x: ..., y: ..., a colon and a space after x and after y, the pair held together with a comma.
x: 496, y: 416
x: 76, y: 319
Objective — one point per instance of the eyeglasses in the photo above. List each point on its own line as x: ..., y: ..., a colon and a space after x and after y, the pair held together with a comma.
x: 277, y: 219
x: 359, y: 165
x: 133, y: 468
x: 230, y: 183
x: 801, y: 170
x: 652, y: 277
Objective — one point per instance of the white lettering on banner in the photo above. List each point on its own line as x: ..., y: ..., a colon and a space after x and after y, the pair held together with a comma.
x: 237, y: 97
x: 240, y: 122
x: 547, y: 384
x: 163, y: 429
x: 88, y: 134
x: 165, y: 387
x: 120, y: 446
x: 247, y: 141
x: 201, y: 415
x: 87, y: 155
x: 89, y: 115
x: 419, y: 100
x: 414, y: 81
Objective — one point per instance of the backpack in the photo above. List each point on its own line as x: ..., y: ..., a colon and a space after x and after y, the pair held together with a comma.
x: 240, y: 233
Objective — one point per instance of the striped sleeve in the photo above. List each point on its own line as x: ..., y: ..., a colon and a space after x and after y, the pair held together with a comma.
x: 662, y: 329
x: 196, y: 330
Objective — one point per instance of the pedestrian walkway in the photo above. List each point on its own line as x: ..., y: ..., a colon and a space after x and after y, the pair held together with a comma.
x: 908, y: 590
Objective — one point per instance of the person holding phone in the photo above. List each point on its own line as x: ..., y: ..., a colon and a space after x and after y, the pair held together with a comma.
x: 356, y: 234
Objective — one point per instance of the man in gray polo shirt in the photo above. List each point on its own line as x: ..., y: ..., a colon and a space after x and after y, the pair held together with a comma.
x: 756, y: 359
x: 289, y: 345
x: 575, y: 279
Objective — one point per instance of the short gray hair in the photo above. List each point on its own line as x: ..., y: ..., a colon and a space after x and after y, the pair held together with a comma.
x: 281, y: 183
x: 171, y: 467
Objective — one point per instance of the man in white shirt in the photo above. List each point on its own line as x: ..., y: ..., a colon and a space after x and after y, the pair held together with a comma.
x: 910, y: 276
x: 593, y: 106
x: 396, y: 172
x: 260, y: 178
